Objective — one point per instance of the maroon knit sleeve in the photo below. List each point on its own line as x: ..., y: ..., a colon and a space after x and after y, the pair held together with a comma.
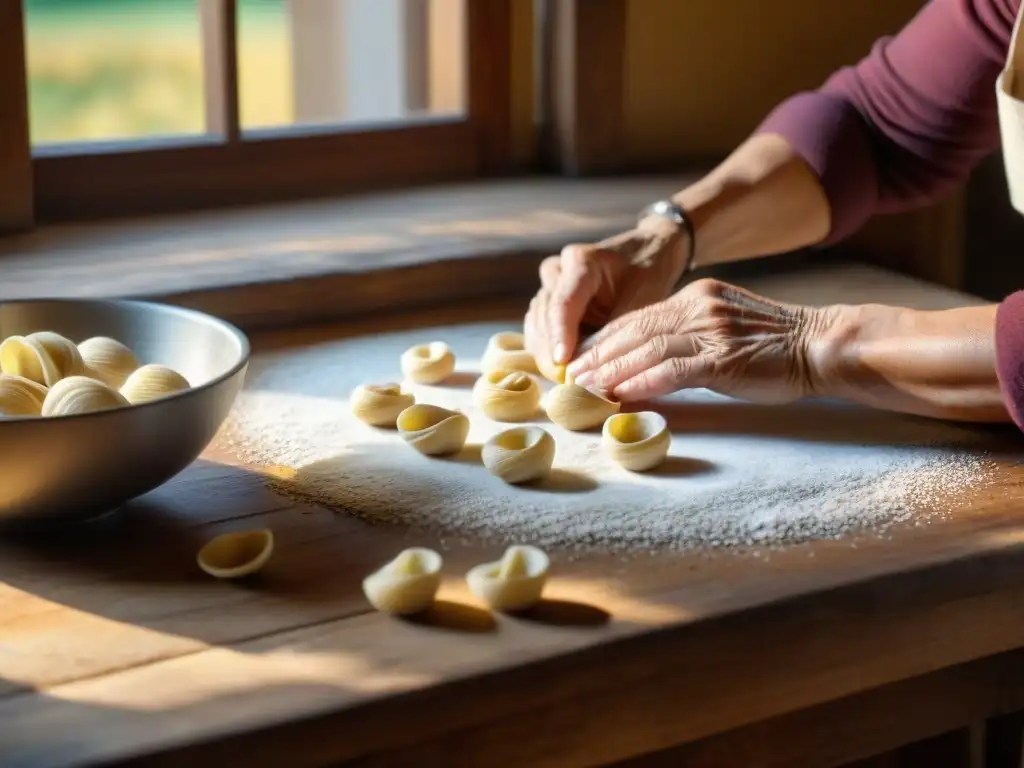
x: 1010, y: 354
x: 910, y: 121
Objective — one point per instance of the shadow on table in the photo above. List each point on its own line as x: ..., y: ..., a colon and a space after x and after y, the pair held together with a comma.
x: 137, y: 566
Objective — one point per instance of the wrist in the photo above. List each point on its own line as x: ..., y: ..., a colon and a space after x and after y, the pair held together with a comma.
x: 669, y: 240
x: 839, y: 343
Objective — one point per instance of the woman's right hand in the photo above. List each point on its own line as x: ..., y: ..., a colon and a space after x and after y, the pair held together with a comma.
x: 593, y: 284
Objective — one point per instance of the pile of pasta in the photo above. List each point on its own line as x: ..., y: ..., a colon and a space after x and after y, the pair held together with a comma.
x: 46, y: 374
x: 508, y: 392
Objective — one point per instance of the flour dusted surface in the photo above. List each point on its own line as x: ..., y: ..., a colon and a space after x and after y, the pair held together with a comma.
x: 738, y: 474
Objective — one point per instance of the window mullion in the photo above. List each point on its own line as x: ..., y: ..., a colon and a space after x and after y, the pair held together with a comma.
x: 219, y: 22
x: 16, y: 204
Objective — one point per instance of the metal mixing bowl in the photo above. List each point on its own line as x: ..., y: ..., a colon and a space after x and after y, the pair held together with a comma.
x: 76, y: 467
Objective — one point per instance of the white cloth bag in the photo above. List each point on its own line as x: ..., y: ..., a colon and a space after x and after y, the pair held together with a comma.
x: 1010, y: 100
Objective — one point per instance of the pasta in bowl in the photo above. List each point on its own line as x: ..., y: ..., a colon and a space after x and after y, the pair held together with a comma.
x: 76, y: 442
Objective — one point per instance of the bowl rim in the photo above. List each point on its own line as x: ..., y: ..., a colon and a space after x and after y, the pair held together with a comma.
x: 232, y: 330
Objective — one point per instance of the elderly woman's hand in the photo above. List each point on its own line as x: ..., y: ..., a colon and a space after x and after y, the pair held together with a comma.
x: 592, y: 284
x: 711, y: 335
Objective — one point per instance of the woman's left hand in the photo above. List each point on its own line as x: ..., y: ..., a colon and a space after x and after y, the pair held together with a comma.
x: 709, y: 334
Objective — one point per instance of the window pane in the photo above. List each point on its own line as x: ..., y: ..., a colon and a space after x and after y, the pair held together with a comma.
x: 114, y: 69
x: 264, y: 63
x: 337, y: 61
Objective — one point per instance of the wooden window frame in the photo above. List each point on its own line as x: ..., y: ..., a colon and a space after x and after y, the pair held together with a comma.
x: 15, y: 149
x: 583, y: 58
x: 228, y: 166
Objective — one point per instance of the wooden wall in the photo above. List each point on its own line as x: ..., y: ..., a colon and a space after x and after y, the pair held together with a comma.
x: 698, y: 76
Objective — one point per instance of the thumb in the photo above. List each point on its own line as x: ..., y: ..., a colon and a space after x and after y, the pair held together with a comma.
x: 578, y: 283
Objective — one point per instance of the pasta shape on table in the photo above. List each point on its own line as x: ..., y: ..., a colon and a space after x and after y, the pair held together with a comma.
x: 380, y: 404
x: 406, y: 585
x: 428, y: 363
x: 238, y: 554
x: 507, y: 395
x: 637, y: 441
x: 513, y: 583
x: 519, y: 455
x: 432, y: 430
x: 507, y: 352
x: 575, y: 408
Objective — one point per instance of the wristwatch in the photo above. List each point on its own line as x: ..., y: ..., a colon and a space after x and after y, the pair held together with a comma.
x: 667, y: 209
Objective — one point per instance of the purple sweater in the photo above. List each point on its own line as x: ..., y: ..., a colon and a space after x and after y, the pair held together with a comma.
x: 906, y: 125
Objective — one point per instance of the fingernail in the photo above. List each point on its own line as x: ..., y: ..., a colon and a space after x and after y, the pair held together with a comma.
x: 586, y: 379
x: 574, y: 367
x: 559, y: 352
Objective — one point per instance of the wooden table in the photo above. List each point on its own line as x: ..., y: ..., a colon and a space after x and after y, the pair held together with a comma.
x: 116, y: 649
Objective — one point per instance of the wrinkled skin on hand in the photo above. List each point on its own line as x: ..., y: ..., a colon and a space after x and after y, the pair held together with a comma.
x: 709, y: 334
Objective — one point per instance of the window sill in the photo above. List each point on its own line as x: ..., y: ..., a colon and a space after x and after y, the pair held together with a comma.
x: 309, y: 262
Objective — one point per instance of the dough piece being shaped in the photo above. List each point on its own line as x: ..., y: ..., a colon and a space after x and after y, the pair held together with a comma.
x: 380, y: 404
x: 507, y: 352
x: 234, y: 555
x: 407, y: 584
x: 507, y: 395
x: 552, y: 371
x: 637, y: 441
x: 80, y: 394
x: 432, y: 430
x: 575, y: 408
x: 44, y: 357
x: 428, y: 363
x: 513, y: 583
x: 151, y: 382
x: 519, y: 455
x: 20, y: 396
x: 108, y: 360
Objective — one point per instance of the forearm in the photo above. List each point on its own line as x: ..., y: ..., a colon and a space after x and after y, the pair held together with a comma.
x: 762, y: 200
x: 938, y: 364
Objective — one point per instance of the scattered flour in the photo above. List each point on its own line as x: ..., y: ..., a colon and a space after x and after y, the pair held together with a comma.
x: 738, y: 474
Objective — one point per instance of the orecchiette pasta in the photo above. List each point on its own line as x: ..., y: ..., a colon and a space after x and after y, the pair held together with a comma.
x: 575, y: 408
x: 432, y: 430
x: 551, y: 371
x: 234, y: 555
x: 637, y: 441
x: 513, y: 583
x: 506, y: 395
x: 28, y: 357
x: 108, y: 360
x: 380, y: 404
x: 100, y: 373
x: 151, y: 382
x: 507, y: 352
x: 406, y: 585
x: 20, y: 396
x: 428, y: 363
x: 519, y: 455
x: 80, y: 394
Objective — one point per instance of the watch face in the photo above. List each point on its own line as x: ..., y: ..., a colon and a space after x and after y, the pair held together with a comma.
x: 663, y: 208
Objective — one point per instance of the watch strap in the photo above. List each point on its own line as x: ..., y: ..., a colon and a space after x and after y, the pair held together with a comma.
x: 677, y: 214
